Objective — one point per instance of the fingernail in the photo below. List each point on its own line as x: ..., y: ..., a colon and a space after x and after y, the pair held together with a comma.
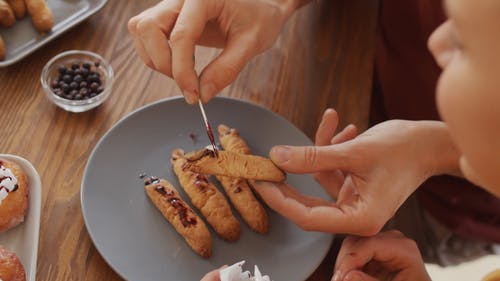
x: 336, y: 276
x: 280, y: 154
x: 190, y: 97
x: 207, y: 91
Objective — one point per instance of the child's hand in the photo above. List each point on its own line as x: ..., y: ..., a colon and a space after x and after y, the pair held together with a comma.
x: 385, y: 256
x: 369, y: 175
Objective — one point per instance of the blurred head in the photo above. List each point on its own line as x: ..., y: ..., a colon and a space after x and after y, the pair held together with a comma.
x: 467, y: 47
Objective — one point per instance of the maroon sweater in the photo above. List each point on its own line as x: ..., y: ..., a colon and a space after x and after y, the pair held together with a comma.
x: 405, y: 83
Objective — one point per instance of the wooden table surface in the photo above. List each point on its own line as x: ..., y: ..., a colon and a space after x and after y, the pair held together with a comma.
x: 323, y: 58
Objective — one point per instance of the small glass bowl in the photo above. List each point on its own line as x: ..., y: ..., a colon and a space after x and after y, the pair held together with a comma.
x: 50, y: 72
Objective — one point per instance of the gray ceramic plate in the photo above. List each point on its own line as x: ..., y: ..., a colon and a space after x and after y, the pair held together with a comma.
x: 22, y: 39
x: 134, y: 238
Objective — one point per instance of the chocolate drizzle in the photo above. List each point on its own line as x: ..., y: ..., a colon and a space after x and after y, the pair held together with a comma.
x: 151, y: 180
x: 201, y: 181
x: 179, y: 206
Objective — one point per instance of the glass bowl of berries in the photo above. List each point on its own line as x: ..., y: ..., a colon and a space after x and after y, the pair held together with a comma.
x: 77, y: 81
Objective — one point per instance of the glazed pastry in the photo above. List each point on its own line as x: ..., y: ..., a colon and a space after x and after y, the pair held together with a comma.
x: 185, y: 221
x: 19, y: 8
x: 237, y: 189
x: 232, y: 164
x: 41, y: 15
x: 2, y: 48
x: 207, y: 198
x: 13, y: 195
x: 7, y: 17
x: 11, y: 268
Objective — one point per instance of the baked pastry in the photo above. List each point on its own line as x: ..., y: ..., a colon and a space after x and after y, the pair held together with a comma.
x: 18, y: 7
x: 231, y: 140
x: 232, y: 164
x: 13, y: 195
x: 207, y: 198
x: 41, y: 15
x: 241, y: 195
x: 7, y: 17
x: 185, y: 221
x: 237, y: 189
x: 11, y: 268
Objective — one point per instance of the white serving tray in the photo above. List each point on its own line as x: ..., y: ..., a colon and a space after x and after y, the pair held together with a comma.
x: 23, y: 239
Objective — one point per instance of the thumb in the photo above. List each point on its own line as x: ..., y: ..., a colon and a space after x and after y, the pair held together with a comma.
x: 225, y: 68
x: 357, y: 275
x: 310, y: 159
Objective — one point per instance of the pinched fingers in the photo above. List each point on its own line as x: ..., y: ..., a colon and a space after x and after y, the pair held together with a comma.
x: 387, y: 248
x: 150, y: 30
x: 332, y: 181
x: 223, y: 70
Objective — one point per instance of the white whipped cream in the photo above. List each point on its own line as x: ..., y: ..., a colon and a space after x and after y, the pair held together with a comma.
x: 8, y: 182
x: 235, y: 273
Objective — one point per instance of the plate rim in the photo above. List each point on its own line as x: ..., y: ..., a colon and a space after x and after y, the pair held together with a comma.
x: 24, y: 163
x: 52, y: 36
x: 145, y: 107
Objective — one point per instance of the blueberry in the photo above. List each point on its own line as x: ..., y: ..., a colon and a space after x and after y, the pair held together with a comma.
x: 67, y: 78
x: 62, y: 69
x: 78, y: 78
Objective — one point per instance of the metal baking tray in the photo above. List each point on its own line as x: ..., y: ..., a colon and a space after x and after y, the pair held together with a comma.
x: 22, y: 39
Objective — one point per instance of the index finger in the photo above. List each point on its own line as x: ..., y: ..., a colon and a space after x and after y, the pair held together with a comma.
x: 188, y: 28
x: 325, y: 218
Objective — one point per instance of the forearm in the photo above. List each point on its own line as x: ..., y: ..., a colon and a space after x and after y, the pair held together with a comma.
x: 439, y: 153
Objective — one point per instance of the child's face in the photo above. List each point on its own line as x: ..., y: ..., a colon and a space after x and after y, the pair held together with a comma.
x: 467, y: 47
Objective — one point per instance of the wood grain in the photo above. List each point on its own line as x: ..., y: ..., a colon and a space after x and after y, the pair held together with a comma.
x: 322, y: 59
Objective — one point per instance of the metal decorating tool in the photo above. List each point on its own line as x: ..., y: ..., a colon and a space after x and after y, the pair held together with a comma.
x: 209, y: 129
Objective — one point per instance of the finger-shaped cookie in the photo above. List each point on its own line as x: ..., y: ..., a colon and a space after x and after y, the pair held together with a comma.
x: 19, y: 8
x: 185, y: 221
x: 41, y: 15
x: 237, y: 189
x: 7, y: 17
x: 207, y: 198
x: 231, y: 141
x: 232, y: 164
x: 241, y: 195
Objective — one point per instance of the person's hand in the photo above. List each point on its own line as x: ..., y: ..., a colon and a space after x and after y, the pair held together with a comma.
x: 386, y: 256
x: 166, y: 34
x: 212, y: 276
x: 370, y: 175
